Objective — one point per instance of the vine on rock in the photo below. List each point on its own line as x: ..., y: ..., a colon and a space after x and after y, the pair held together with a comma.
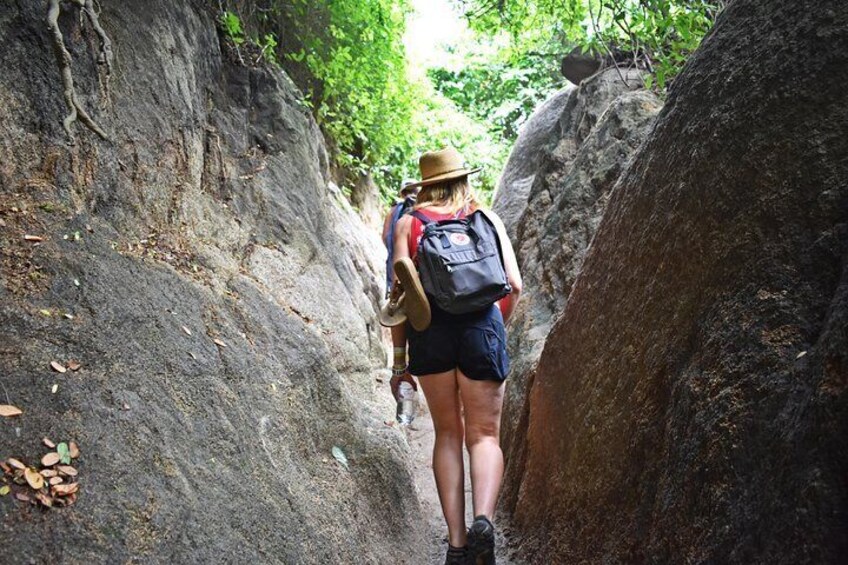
x: 63, y: 59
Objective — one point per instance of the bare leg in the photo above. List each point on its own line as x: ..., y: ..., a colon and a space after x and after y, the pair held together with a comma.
x: 441, y: 392
x: 483, y: 401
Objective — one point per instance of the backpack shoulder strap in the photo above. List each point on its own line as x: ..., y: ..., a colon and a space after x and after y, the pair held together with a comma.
x: 424, y: 219
x: 485, y: 213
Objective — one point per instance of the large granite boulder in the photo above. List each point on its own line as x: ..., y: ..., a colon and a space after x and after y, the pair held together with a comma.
x: 690, y: 403
x: 552, y: 195
x: 222, y: 301
x: 539, y: 131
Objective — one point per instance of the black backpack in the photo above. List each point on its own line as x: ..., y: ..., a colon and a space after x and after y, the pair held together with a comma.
x: 460, y: 263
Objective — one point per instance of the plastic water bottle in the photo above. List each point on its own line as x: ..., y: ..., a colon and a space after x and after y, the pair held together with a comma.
x: 406, y: 403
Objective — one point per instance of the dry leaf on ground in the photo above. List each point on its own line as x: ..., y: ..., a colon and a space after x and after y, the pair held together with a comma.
x: 50, y: 459
x: 73, y: 449
x: 56, y: 481
x: 186, y: 330
x: 219, y: 342
x: 22, y: 497
x: 58, y: 367
x: 15, y: 463
x: 66, y: 500
x: 49, y: 473
x: 29, y: 237
x: 74, y: 365
x: 4, y: 490
x: 64, y: 490
x: 48, y: 443
x: 7, y: 410
x: 34, y: 479
x: 67, y: 470
x: 44, y: 499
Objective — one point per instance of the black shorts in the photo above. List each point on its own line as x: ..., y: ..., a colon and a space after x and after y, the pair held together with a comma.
x: 476, y: 343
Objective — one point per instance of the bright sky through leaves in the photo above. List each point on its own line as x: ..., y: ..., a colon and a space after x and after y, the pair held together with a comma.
x: 433, y: 26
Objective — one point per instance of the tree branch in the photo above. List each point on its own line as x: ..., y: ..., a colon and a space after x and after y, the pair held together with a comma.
x: 596, y: 29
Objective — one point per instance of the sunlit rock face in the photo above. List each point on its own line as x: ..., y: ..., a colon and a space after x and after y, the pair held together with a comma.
x: 223, y: 301
x: 552, y: 195
x: 689, y: 404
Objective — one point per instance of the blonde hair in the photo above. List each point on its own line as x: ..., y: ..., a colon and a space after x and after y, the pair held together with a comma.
x: 455, y: 194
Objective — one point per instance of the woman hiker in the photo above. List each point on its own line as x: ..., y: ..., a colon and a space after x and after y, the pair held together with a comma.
x: 460, y: 361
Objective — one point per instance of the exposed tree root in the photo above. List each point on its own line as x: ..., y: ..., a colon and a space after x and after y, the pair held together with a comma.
x: 63, y: 59
x: 105, y: 57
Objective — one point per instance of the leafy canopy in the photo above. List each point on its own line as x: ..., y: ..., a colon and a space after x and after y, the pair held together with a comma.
x: 500, y: 89
x: 657, y: 35
x: 348, y: 58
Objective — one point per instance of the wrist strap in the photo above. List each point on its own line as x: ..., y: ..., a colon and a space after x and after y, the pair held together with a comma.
x: 399, y: 371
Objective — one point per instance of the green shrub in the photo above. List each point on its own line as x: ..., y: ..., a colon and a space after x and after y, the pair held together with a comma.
x: 657, y: 35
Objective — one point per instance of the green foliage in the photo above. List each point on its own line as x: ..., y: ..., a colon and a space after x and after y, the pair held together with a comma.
x: 268, y: 47
x: 232, y: 27
x: 657, y: 35
x: 356, y: 66
x: 64, y: 453
x: 348, y: 58
x: 437, y: 122
x: 499, y: 91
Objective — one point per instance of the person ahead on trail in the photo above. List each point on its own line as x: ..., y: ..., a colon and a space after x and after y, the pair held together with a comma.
x: 408, y: 192
x: 460, y: 359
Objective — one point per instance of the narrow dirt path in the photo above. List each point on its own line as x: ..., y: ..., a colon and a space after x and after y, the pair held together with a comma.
x: 420, y: 435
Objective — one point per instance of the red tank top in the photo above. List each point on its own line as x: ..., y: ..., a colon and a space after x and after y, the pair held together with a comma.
x: 417, y: 228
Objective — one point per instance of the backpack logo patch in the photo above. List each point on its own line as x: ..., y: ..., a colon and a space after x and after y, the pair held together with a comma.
x: 459, y: 239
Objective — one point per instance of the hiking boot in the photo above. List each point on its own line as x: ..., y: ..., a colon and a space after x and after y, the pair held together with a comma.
x: 415, y: 301
x: 456, y: 555
x: 481, y: 542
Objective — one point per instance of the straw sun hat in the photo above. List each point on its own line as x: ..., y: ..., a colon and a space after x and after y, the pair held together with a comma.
x: 442, y: 165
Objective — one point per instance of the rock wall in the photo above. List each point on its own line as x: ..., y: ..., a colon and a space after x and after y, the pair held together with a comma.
x: 365, y: 198
x: 207, y: 216
x: 690, y: 403
x: 552, y: 195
